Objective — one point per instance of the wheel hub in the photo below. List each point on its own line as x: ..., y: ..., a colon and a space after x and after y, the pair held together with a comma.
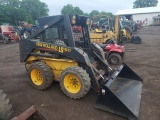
x: 36, y: 77
x: 72, y: 83
x: 114, y: 60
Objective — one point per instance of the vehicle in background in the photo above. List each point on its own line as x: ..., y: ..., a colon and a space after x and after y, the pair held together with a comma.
x: 114, y: 53
x: 8, y: 33
x: 25, y: 29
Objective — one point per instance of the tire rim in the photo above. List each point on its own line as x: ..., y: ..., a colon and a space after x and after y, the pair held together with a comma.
x: 5, y: 40
x: 72, y: 83
x: 114, y: 60
x: 36, y: 76
x: 25, y: 35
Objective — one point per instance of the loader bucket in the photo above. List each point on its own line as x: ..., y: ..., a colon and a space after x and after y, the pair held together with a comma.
x: 136, y: 40
x: 121, y: 95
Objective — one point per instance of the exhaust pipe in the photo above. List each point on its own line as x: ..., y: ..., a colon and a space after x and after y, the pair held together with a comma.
x: 121, y: 95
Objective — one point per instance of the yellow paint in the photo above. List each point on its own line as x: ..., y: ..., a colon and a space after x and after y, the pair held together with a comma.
x: 98, y: 31
x: 101, y: 37
x: 36, y: 77
x: 31, y: 58
x: 116, y: 32
x: 58, y: 65
x: 72, y: 83
x: 126, y: 34
x: 109, y: 34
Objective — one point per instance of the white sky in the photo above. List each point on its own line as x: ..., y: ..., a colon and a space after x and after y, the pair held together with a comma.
x: 87, y: 6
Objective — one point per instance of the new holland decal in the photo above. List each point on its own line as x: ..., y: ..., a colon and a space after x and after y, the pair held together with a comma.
x: 53, y: 47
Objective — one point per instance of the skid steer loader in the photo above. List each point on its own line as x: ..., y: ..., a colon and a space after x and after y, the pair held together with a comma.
x: 71, y: 58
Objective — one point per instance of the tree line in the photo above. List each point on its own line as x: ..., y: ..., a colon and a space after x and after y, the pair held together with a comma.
x: 13, y: 11
x: 69, y: 9
x: 145, y: 3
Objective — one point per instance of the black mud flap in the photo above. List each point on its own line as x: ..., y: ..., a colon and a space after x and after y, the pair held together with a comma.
x: 121, y: 95
x: 136, y: 40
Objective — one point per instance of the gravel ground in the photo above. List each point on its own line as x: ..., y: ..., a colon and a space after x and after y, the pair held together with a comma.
x: 144, y: 60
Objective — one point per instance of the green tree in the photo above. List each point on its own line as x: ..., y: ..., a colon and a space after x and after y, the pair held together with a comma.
x: 35, y: 8
x: 9, y: 10
x: 145, y: 3
x: 12, y: 11
x: 69, y: 9
x: 86, y: 14
x: 109, y: 14
x: 94, y: 13
x: 77, y: 11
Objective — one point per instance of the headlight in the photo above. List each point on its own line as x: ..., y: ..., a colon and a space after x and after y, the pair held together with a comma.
x: 88, y: 21
x: 74, y: 19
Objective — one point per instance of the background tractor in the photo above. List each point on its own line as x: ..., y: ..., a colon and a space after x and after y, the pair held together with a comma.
x: 77, y: 64
x: 8, y: 33
x: 124, y: 33
x: 25, y: 29
x: 103, y: 31
x: 114, y: 53
x: 105, y: 37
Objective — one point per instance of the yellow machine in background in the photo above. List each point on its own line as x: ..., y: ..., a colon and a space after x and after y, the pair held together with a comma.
x: 101, y: 37
x: 118, y: 32
x: 121, y: 33
x: 103, y: 32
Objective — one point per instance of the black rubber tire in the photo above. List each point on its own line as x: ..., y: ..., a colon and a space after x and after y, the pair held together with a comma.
x: 34, y: 29
x: 135, y: 28
x: 58, y: 42
x: 18, y: 35
x: 18, y: 32
x: 114, y: 59
x: 128, y: 29
x: 6, y: 40
x: 5, y: 107
x: 46, y: 73
x: 84, y: 80
x: 26, y: 34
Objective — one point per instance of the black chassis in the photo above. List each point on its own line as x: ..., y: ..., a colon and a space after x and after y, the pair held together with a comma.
x: 84, y: 57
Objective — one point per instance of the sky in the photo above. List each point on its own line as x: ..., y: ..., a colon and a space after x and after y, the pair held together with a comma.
x: 87, y: 6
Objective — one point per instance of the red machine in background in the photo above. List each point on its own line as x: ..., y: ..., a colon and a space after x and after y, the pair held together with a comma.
x: 139, y: 24
x: 77, y: 29
x: 8, y: 34
x: 114, y: 53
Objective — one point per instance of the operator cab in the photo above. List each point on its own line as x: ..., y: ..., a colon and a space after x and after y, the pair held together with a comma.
x: 73, y: 32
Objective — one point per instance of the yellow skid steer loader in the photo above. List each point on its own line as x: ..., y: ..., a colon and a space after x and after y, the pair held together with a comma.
x: 70, y: 58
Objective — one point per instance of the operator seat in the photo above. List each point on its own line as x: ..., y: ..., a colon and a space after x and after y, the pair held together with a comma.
x: 102, y: 45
